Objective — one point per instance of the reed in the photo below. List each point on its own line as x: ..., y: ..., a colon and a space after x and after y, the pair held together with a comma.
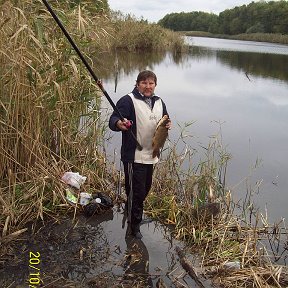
x: 191, y: 196
x: 134, y: 35
x: 49, y: 112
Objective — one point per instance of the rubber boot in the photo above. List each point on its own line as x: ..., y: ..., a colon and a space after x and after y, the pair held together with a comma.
x: 135, y: 231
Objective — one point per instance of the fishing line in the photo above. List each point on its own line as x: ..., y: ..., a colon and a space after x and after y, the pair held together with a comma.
x: 130, y: 196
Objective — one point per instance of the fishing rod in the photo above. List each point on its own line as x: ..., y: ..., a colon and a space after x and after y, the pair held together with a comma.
x: 97, y: 80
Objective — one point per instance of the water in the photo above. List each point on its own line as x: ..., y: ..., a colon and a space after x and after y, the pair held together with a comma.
x: 240, y: 86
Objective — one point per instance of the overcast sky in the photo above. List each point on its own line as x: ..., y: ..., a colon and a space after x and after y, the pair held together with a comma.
x: 154, y: 10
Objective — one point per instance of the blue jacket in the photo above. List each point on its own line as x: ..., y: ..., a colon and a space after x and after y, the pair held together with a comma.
x: 126, y: 108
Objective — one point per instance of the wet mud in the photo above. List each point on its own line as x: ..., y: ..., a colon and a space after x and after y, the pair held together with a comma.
x: 95, y: 252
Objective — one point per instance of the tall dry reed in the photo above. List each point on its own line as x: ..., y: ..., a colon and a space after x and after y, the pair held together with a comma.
x: 50, y: 118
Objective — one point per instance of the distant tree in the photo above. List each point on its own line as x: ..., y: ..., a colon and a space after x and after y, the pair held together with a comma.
x: 257, y: 28
x: 236, y: 26
x: 197, y: 21
x: 260, y: 16
x: 268, y: 17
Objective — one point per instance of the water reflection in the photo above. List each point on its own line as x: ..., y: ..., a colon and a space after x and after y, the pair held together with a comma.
x: 263, y: 65
x: 136, y: 265
x: 125, y: 62
x: 256, y: 64
x: 266, y: 60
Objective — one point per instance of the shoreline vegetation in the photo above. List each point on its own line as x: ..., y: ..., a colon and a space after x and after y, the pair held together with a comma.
x: 51, y: 122
x: 258, y: 37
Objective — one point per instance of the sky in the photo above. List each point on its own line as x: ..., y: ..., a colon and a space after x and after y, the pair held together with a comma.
x: 154, y: 10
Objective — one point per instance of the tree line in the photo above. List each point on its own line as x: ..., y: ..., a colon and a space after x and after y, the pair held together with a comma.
x: 256, y: 17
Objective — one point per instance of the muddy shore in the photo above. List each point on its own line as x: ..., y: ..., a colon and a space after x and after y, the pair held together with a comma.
x: 94, y: 252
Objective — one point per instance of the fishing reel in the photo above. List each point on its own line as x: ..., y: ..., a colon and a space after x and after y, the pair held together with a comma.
x: 128, y: 124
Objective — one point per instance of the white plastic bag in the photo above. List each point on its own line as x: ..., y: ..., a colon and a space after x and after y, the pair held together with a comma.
x: 73, y: 179
x: 85, y: 198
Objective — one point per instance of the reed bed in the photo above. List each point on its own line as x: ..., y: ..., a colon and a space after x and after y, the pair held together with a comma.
x: 49, y: 112
x: 236, y: 244
x: 133, y: 35
x: 264, y: 37
x: 259, y: 37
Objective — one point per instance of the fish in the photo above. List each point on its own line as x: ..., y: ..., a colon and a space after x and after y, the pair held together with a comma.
x: 160, y: 136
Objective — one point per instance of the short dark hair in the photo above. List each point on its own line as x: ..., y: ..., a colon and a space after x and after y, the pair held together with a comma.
x: 142, y: 76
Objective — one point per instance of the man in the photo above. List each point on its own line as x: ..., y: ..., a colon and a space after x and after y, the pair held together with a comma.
x: 143, y: 109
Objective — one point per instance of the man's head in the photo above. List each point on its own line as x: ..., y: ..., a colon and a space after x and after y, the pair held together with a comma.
x: 146, y: 83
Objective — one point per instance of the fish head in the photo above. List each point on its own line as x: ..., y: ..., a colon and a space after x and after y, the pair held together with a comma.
x: 164, y: 121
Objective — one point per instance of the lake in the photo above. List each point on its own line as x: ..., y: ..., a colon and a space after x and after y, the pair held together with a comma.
x: 238, y: 86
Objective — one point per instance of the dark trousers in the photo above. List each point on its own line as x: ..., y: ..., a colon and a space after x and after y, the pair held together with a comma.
x: 140, y: 176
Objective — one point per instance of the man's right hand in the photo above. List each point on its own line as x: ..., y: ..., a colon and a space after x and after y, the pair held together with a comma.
x: 123, y: 125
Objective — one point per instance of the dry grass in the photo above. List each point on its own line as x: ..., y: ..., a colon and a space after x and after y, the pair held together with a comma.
x: 49, y: 114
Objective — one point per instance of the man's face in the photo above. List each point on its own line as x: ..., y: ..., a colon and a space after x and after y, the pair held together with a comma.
x: 146, y: 87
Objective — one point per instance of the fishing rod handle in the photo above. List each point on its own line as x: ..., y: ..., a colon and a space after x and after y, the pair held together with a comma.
x: 128, y: 124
